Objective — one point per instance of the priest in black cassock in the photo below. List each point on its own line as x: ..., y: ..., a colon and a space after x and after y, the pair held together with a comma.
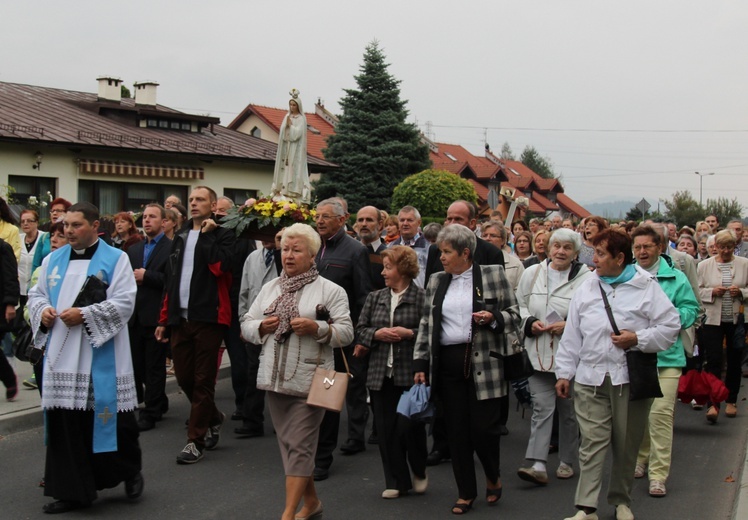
x: 79, y: 310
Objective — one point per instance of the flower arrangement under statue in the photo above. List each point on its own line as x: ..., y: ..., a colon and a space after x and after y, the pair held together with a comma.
x: 261, y: 219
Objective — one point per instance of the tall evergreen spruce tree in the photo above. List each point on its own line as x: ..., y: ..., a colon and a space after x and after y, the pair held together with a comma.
x: 373, y: 145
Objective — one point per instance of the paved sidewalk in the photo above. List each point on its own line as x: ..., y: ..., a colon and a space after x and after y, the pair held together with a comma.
x: 25, y: 413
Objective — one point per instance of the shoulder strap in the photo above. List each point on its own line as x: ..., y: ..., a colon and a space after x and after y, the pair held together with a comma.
x: 608, y: 310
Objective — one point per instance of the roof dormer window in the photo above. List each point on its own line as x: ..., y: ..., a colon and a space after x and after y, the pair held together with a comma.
x: 450, y: 156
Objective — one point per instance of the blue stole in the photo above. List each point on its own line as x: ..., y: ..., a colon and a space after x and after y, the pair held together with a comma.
x: 103, y: 366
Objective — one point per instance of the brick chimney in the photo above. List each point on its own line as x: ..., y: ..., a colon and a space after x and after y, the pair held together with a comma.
x: 110, y: 88
x: 145, y: 93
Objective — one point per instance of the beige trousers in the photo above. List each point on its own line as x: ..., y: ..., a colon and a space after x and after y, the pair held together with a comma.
x: 657, y: 445
x: 606, y: 418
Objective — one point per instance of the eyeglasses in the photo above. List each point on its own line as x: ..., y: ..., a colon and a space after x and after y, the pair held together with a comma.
x: 27, y: 221
x: 648, y: 247
x: 326, y: 217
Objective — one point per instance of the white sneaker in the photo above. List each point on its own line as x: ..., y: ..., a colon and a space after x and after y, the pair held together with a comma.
x: 581, y: 515
x: 623, y: 512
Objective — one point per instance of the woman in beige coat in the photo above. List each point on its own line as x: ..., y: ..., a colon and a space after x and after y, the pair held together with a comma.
x: 290, y: 320
x: 723, y: 286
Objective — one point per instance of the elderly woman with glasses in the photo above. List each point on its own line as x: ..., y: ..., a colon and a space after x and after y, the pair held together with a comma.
x: 544, y: 293
x: 288, y: 320
x: 468, y: 308
x: 723, y: 287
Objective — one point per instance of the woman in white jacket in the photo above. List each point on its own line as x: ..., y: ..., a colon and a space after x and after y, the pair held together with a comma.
x: 544, y: 293
x: 298, y: 319
x: 594, y: 356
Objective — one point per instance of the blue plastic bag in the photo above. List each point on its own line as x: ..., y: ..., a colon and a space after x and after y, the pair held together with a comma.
x: 415, y: 403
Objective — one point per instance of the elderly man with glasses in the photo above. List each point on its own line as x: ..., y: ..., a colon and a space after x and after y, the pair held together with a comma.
x: 345, y: 261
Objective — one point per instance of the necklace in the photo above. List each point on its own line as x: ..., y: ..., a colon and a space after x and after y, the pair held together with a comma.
x: 540, y: 361
x: 298, y: 357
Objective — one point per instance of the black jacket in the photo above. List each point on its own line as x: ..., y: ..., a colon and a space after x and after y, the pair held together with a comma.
x: 10, y: 289
x: 211, y: 278
x: 148, y: 299
x: 345, y: 261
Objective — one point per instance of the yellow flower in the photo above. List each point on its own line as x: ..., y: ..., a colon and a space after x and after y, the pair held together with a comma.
x: 278, y: 213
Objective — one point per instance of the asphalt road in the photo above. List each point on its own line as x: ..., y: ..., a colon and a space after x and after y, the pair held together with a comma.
x: 243, y: 478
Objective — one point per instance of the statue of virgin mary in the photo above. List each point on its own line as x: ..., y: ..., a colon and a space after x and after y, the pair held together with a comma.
x: 291, y: 175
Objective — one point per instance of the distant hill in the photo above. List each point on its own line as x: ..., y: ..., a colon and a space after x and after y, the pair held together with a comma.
x: 611, y: 210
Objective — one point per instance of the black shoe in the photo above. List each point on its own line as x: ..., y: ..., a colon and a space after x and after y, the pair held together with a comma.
x: 436, y: 457
x: 352, y: 447
x: 373, y: 439
x: 145, y: 424
x: 237, y: 416
x: 320, y: 473
x: 62, y: 506
x: 214, y: 434
x: 134, y: 486
x: 248, y: 431
x: 190, y: 454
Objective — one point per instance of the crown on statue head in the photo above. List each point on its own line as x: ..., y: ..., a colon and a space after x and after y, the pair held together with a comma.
x: 294, y: 93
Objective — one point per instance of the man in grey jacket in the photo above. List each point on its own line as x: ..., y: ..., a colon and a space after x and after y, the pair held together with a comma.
x: 259, y: 268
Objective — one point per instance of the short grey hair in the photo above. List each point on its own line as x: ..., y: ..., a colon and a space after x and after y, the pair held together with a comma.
x: 459, y: 237
x: 335, y: 204
x: 566, y: 235
x: 304, y: 232
x: 410, y: 209
x: 228, y: 199
x: 499, y: 225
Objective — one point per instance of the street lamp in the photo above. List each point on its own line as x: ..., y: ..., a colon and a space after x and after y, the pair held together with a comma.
x: 701, y: 184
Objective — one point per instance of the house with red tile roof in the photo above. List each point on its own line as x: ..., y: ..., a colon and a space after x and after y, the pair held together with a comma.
x: 506, y: 177
x: 265, y: 122
x: 121, y: 154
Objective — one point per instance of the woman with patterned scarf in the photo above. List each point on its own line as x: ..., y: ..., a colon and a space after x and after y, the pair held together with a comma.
x: 298, y: 319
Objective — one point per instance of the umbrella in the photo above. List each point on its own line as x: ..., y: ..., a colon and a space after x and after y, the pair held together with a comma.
x: 415, y: 404
x: 701, y: 386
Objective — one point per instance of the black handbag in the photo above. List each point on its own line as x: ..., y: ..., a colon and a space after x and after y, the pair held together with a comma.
x: 644, y: 381
x: 517, y: 365
x: 22, y: 342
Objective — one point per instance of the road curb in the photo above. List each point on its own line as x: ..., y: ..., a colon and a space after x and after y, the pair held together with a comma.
x: 31, y: 417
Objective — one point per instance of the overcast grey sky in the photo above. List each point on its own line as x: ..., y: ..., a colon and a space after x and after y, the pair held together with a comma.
x: 628, y: 99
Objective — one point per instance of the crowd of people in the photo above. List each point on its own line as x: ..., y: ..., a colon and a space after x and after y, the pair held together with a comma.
x: 395, y: 303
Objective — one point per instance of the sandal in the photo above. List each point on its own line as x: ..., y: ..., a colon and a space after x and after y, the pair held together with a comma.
x: 493, y: 496
x: 460, y: 508
x: 657, y: 488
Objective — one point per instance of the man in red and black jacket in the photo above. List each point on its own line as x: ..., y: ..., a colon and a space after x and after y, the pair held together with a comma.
x: 195, y: 314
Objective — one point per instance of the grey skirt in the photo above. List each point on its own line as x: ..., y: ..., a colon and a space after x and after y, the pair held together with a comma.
x: 297, y: 429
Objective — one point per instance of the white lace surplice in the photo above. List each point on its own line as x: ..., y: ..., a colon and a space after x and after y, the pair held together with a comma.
x: 67, y: 380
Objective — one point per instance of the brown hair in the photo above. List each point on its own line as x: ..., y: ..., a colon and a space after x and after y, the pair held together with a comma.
x: 405, y: 260
x: 615, y: 242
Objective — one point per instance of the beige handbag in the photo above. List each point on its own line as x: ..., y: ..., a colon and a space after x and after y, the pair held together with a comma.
x: 329, y: 386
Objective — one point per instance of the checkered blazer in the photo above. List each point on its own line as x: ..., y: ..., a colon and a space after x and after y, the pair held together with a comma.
x: 374, y: 316
x: 491, y: 292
